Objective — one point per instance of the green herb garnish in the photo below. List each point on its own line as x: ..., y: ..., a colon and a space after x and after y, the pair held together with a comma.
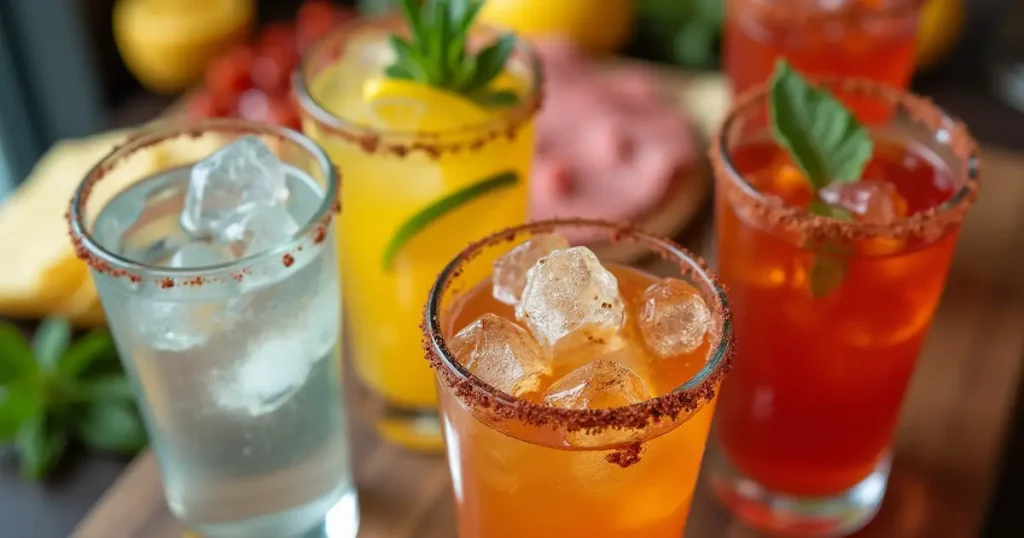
x: 57, y: 390
x: 437, y: 53
x: 438, y: 209
x: 829, y: 145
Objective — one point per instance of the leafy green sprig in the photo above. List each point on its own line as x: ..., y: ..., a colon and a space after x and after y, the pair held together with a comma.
x: 829, y: 146
x: 437, y: 53
x: 54, y: 391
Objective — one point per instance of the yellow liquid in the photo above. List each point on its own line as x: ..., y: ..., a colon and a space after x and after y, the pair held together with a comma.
x: 379, y: 193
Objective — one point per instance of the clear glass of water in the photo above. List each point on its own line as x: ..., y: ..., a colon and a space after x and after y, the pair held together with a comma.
x: 212, y: 250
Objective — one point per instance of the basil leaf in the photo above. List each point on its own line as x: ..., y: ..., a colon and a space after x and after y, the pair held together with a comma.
x: 110, y: 426
x: 40, y: 444
x: 50, y: 341
x: 830, y: 265
x: 16, y: 359
x: 440, y: 208
x: 84, y: 352
x: 18, y: 403
x: 824, y: 139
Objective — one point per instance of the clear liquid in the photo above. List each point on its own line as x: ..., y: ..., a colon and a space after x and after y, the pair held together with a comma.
x: 239, y: 382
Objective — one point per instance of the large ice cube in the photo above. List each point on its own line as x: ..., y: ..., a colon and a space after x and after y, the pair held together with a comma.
x: 502, y: 354
x: 673, y: 318
x: 232, y: 192
x: 510, y: 270
x: 876, y: 202
x: 601, y: 384
x: 273, y: 370
x: 568, y: 293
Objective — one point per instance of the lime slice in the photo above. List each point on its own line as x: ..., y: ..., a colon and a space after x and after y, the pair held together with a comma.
x: 438, y: 209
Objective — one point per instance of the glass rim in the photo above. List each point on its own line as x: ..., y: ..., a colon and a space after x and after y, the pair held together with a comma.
x: 930, y: 223
x: 856, y: 10
x: 102, y: 260
x: 402, y: 142
x: 687, y: 398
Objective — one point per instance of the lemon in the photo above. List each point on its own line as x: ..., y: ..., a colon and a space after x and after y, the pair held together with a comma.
x: 412, y: 106
x: 940, y: 26
x: 599, y: 27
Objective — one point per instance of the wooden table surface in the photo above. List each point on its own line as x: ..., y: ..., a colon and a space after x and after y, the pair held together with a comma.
x: 952, y: 428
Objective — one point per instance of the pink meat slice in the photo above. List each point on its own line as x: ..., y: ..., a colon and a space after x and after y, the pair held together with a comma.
x: 609, y: 143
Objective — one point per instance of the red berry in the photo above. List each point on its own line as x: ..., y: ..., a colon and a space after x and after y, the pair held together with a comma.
x: 279, y: 36
x: 272, y: 70
x: 204, y: 104
x: 254, y: 105
x: 229, y: 75
x: 283, y: 112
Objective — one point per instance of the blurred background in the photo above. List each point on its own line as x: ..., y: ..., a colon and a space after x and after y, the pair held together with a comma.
x: 63, y: 69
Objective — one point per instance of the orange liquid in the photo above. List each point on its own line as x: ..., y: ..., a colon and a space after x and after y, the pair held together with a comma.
x: 812, y: 402
x: 510, y: 488
x: 877, y: 45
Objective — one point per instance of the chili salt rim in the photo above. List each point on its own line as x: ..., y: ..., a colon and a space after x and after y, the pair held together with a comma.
x: 402, y: 143
x: 810, y: 228
x: 311, y: 234
x: 687, y: 398
x: 790, y: 13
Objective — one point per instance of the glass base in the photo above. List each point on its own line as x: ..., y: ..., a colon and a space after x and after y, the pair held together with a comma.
x: 309, y: 521
x: 413, y: 428
x: 769, y: 511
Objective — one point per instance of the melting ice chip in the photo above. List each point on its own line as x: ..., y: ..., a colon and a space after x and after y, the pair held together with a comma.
x: 266, y: 379
x: 673, y: 318
x: 239, y: 194
x: 877, y: 202
x: 569, y: 293
x: 502, y: 354
x: 510, y: 270
x: 599, y: 385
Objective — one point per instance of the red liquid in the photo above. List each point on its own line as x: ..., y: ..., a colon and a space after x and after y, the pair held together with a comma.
x: 876, y: 43
x: 813, y: 400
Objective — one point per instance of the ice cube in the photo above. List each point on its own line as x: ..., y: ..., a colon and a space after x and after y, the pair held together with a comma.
x: 568, y: 293
x: 502, y: 354
x: 876, y: 202
x: 229, y: 187
x: 510, y: 270
x: 673, y: 318
x: 601, y: 384
x: 273, y: 370
x: 199, y: 254
x: 270, y: 227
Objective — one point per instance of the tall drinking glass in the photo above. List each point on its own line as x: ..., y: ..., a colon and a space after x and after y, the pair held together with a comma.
x: 609, y: 441
x: 395, y: 176
x: 232, y: 348
x: 829, y: 315
x: 845, y: 38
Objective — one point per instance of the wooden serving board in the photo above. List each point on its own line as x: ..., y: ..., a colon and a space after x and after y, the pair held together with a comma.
x: 948, y: 445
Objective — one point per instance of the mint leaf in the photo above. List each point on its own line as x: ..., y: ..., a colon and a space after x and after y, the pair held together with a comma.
x: 440, y: 208
x: 40, y: 444
x: 85, y: 352
x: 51, y: 339
x: 497, y: 99
x: 111, y: 426
x: 16, y: 357
x: 108, y: 387
x: 18, y: 403
x: 824, y: 139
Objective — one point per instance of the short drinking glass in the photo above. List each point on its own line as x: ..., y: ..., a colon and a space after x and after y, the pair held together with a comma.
x: 594, y: 422
x: 219, y: 284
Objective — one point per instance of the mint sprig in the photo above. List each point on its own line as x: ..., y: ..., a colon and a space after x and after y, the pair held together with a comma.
x: 437, y: 55
x: 829, y: 145
x: 56, y: 390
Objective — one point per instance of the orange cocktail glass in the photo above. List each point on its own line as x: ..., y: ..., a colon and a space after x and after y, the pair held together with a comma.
x: 524, y: 468
x: 806, y: 419
x: 872, y: 39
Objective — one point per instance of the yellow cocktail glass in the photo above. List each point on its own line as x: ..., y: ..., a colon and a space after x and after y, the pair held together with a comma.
x: 424, y: 172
